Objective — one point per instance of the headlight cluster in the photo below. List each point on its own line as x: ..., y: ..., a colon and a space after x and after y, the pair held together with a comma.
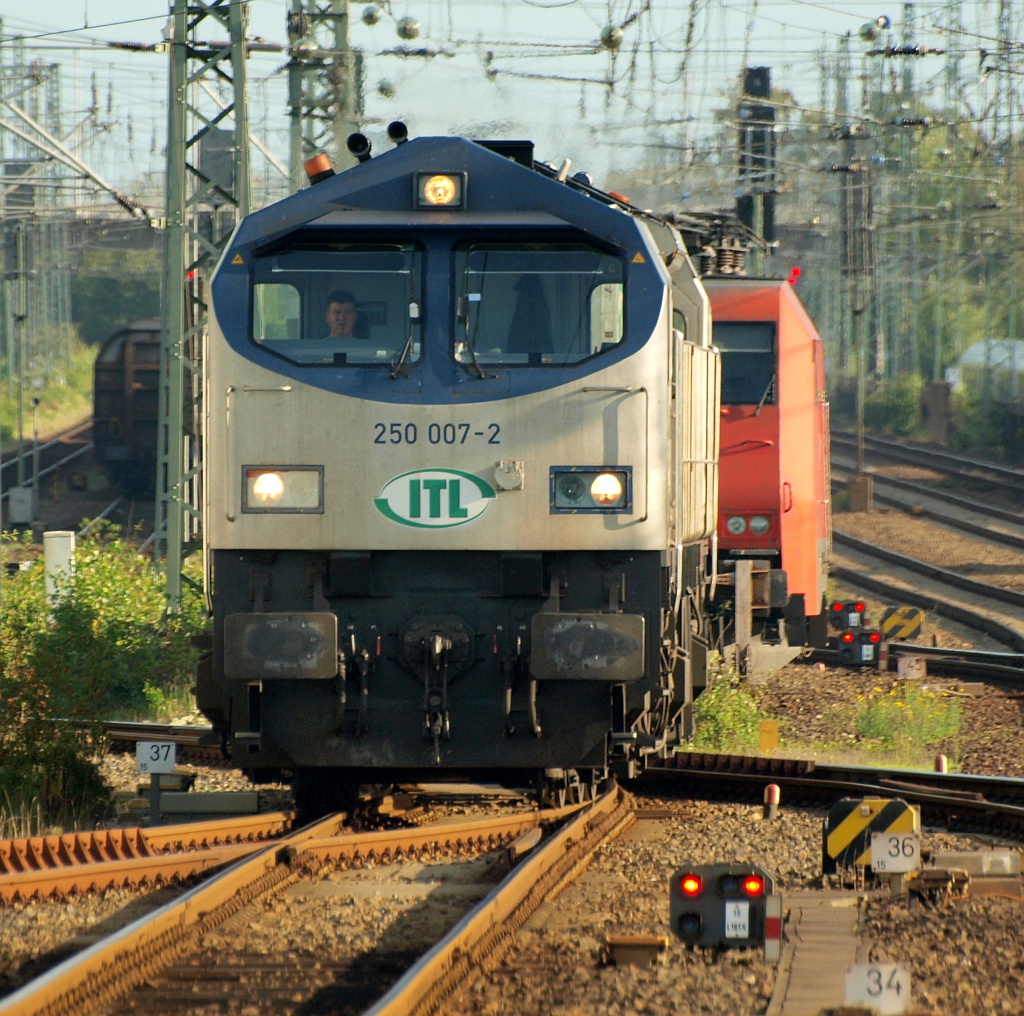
x: 591, y: 490
x: 737, y: 525
x: 283, y: 489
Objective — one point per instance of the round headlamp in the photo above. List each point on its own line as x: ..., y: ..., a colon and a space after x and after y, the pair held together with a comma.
x: 439, y: 190
x: 736, y: 524
x: 268, y: 488
x: 759, y: 525
x: 570, y: 487
x: 606, y: 489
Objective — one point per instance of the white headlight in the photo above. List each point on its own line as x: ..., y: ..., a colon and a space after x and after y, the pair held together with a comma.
x: 283, y: 489
x: 267, y: 488
x: 582, y: 490
x: 606, y: 489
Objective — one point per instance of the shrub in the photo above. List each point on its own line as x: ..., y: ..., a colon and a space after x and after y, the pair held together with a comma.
x: 907, y: 716
x: 104, y: 650
x: 894, y: 407
x: 726, y: 717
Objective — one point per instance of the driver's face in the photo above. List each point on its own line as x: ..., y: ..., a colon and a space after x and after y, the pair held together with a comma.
x: 341, y: 318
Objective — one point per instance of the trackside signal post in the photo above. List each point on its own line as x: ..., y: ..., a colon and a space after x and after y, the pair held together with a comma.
x: 723, y: 906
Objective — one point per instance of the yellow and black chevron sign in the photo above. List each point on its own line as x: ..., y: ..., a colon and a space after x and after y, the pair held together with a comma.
x: 846, y: 836
x: 902, y: 623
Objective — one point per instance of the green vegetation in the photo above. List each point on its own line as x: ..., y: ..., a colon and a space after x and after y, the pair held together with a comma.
x: 726, y: 716
x: 894, y: 406
x: 907, y: 716
x: 103, y: 650
x: 135, y: 278
x: 65, y: 399
x: 900, y: 726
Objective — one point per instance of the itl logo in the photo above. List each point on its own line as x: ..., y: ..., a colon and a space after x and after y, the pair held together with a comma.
x: 434, y: 498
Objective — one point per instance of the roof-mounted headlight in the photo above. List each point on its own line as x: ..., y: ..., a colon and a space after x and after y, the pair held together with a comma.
x: 441, y: 190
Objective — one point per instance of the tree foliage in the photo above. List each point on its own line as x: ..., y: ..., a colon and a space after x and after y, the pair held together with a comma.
x: 135, y: 280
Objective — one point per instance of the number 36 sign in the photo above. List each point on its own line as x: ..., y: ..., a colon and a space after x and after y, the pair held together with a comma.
x: 894, y: 853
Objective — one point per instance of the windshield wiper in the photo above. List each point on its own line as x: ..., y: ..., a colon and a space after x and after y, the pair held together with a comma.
x: 399, y: 363
x: 764, y: 398
x: 468, y: 344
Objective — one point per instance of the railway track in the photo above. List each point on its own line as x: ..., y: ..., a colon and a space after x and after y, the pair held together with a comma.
x: 994, y: 610
x: 986, y: 475
x: 325, y: 921
x: 148, y: 950
x: 991, y: 610
x: 192, y: 984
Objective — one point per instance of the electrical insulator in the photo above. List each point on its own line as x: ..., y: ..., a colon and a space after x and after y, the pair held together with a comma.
x: 611, y: 37
x: 408, y: 28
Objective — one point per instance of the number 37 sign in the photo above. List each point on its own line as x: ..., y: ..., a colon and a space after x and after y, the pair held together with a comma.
x: 155, y: 756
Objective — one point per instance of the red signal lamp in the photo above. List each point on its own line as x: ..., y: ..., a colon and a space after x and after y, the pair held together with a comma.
x: 794, y: 274
x: 874, y: 637
x: 691, y: 885
x: 847, y: 636
x: 753, y: 885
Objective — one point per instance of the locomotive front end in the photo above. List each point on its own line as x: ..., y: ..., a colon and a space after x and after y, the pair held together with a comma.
x: 449, y: 527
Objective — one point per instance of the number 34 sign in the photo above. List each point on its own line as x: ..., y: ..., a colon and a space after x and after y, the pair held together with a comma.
x: 885, y: 987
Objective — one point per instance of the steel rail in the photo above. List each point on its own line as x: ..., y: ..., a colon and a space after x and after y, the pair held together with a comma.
x: 92, y: 978
x: 1002, y: 789
x: 41, y: 866
x: 12, y: 461
x: 487, y: 930
x: 932, y: 571
x: 1001, y: 632
x: 972, y: 809
x: 78, y: 428
x: 957, y: 522
x: 937, y: 460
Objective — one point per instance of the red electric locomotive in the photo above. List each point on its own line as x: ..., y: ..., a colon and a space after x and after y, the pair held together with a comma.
x: 774, y: 518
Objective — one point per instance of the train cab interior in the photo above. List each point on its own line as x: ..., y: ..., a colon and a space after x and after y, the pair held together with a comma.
x: 515, y: 305
x: 748, y: 362
x: 533, y: 304
x: 293, y: 289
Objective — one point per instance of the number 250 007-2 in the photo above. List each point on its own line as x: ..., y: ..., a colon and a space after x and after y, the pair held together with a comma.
x: 435, y: 433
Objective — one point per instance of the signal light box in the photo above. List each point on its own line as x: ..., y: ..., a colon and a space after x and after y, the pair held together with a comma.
x: 725, y: 906
x: 859, y: 648
x: 843, y: 615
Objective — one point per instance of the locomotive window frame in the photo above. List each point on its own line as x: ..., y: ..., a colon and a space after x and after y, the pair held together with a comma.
x: 387, y: 323
x: 535, y: 322
x: 749, y: 361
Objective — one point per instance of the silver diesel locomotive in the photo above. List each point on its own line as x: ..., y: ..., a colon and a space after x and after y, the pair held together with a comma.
x: 460, y: 462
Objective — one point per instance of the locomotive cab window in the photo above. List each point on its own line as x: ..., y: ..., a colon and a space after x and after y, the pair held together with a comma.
x: 338, y: 304
x: 748, y: 362
x: 536, y: 304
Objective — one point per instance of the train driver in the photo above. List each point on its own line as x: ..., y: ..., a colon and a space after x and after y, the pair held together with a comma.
x: 342, y: 317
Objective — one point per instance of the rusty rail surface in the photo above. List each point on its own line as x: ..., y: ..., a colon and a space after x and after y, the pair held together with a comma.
x: 93, y: 978
x: 77, y: 862
x: 486, y: 932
